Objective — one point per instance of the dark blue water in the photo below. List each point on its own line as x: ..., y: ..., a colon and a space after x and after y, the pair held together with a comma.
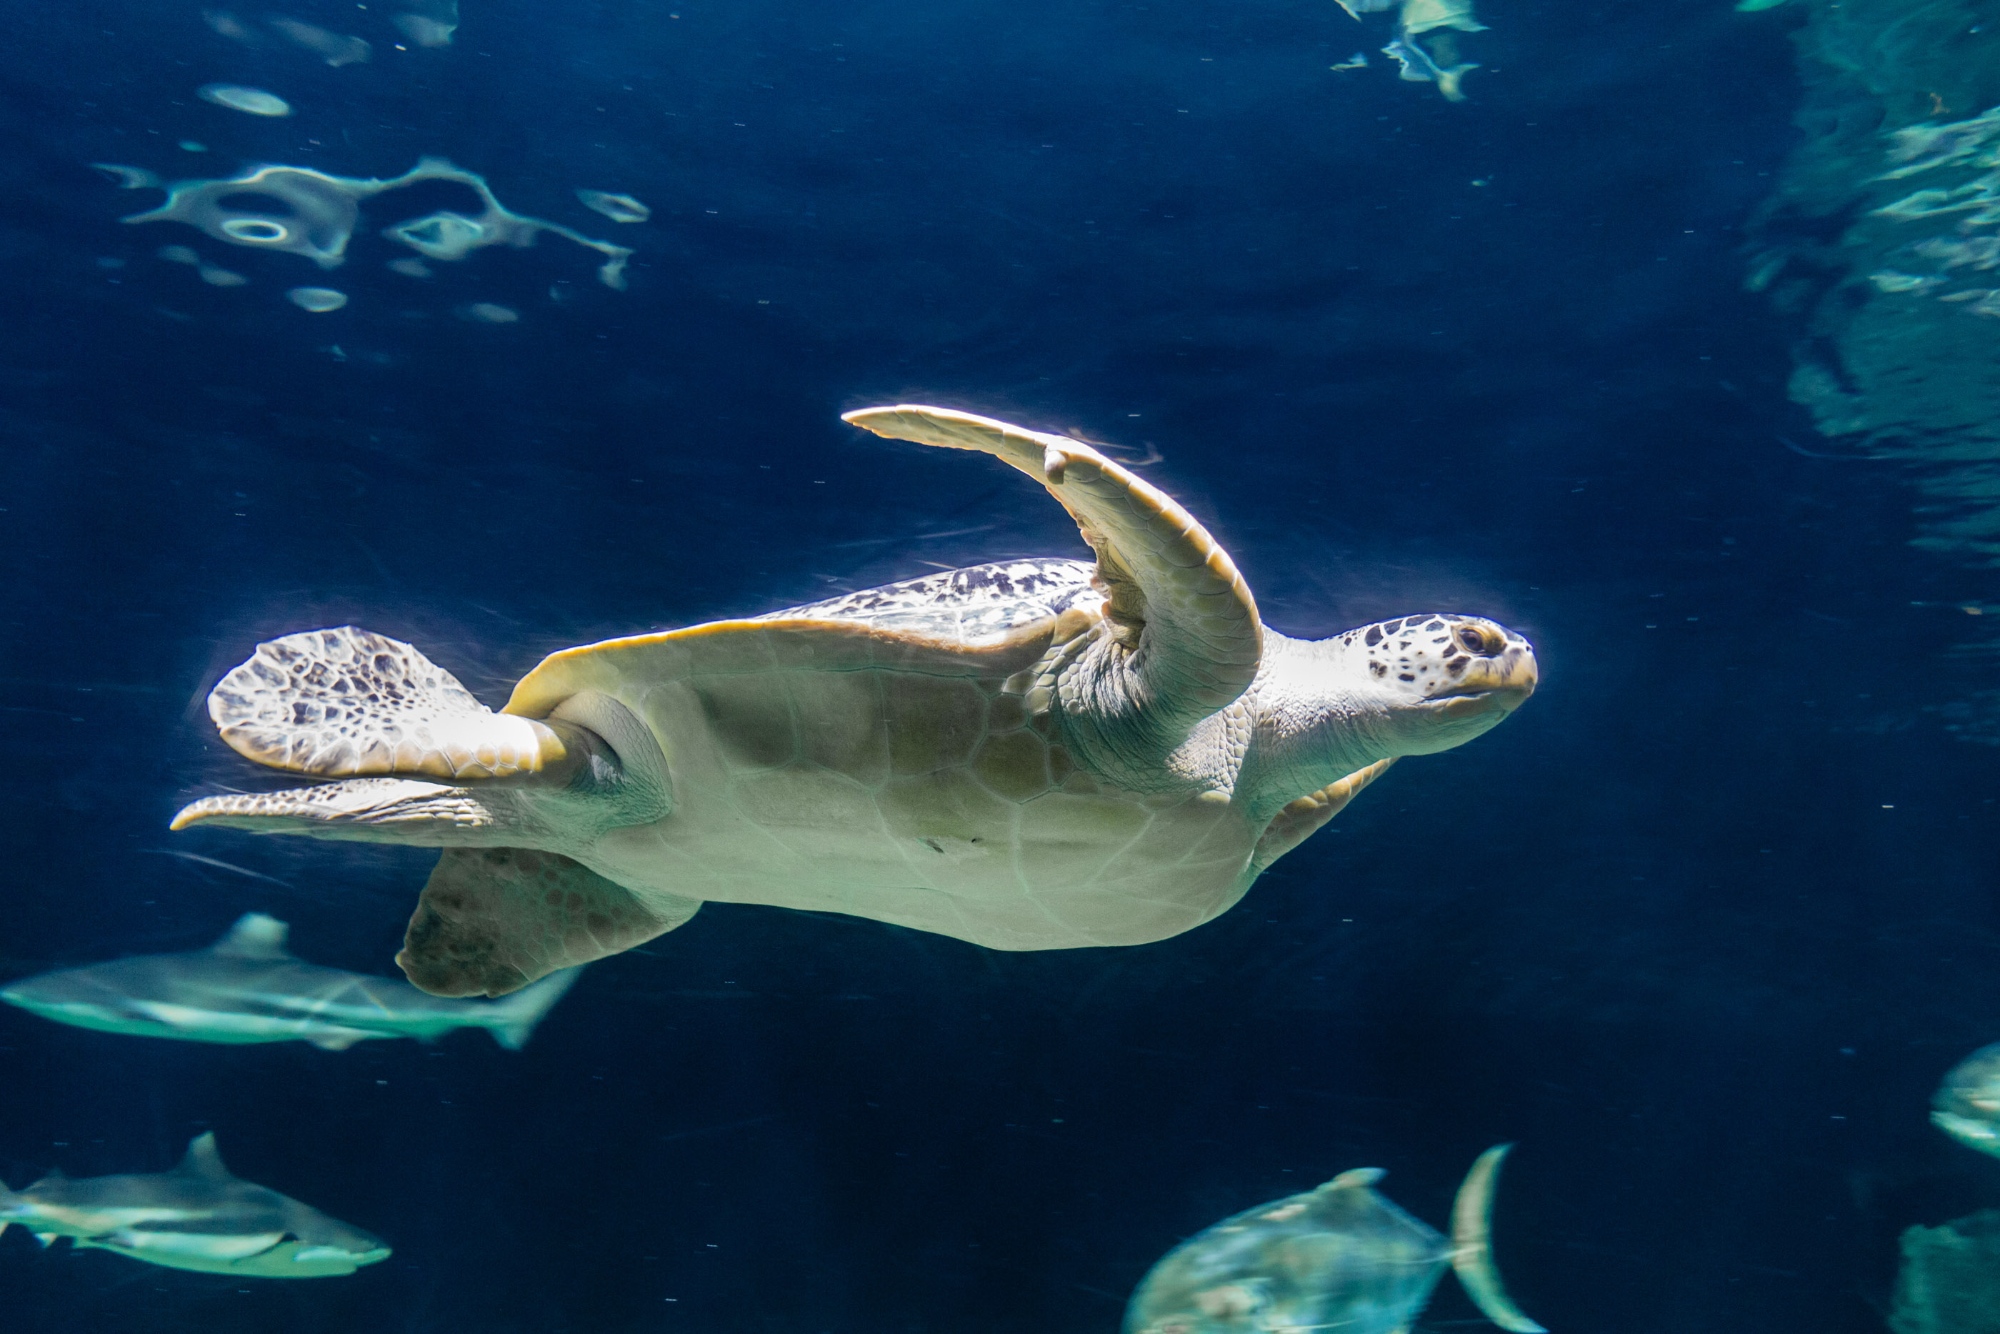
x: 1699, y: 929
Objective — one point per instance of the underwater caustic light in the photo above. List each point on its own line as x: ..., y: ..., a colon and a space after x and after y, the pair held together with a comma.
x: 618, y: 208
x: 317, y: 299
x: 255, y: 101
x: 313, y: 215
x: 335, y: 48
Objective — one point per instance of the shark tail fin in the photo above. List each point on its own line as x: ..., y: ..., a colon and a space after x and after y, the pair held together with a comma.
x: 1472, y: 1245
x: 8, y: 1200
x: 515, y: 1017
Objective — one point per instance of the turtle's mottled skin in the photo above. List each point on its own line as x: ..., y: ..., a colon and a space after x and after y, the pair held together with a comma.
x: 1036, y: 754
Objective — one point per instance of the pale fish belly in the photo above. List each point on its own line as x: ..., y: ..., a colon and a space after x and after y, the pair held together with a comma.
x: 925, y: 802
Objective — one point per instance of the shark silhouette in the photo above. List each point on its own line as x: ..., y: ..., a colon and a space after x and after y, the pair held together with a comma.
x: 196, y: 1217
x: 248, y: 988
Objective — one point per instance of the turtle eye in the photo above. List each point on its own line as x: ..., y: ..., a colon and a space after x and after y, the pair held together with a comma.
x: 1476, y: 641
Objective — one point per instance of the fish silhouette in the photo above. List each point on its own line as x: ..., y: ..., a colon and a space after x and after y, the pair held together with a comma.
x: 248, y: 988
x: 1337, y: 1258
x: 196, y: 1217
x: 1967, y: 1105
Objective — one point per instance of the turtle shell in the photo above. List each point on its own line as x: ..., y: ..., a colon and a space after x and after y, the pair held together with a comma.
x: 978, y: 606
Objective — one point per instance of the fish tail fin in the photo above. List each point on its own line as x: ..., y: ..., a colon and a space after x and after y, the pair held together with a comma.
x: 514, y: 1018
x: 1472, y: 1245
x: 1450, y: 79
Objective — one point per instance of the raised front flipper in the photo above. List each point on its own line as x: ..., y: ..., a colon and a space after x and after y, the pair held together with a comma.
x: 1301, y: 819
x: 346, y: 703
x: 492, y: 920
x: 1181, y: 614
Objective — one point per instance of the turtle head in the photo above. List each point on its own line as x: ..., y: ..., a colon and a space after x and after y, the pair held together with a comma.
x: 1440, y: 679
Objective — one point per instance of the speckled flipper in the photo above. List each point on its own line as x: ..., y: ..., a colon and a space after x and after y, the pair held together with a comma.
x: 1176, y: 603
x: 349, y: 703
x: 492, y: 920
x: 1301, y: 819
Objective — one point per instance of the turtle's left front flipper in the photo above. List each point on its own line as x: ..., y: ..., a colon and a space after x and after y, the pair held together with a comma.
x: 1301, y: 819
x: 493, y: 920
x: 1187, y: 628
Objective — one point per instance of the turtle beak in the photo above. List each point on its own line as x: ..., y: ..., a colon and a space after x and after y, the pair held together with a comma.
x: 1495, y: 683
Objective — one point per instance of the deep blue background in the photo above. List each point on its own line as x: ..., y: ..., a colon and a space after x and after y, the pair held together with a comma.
x: 1700, y: 928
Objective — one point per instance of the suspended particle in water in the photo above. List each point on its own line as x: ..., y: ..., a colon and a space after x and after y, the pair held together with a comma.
x: 179, y: 254
x: 485, y: 312
x: 193, y: 146
x: 318, y: 300
x: 254, y: 101
x: 618, y: 208
x: 411, y: 268
x: 216, y: 277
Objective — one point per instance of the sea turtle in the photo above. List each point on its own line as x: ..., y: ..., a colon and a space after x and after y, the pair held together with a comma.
x: 1035, y: 754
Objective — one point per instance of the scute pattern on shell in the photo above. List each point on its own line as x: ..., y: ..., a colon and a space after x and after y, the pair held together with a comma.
x: 977, y: 605
x: 341, y: 701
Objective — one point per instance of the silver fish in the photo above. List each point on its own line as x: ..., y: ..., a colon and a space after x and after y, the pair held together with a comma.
x: 1967, y: 1105
x: 248, y: 988
x: 196, y: 1217
x: 1419, y: 67
x: 1339, y: 1257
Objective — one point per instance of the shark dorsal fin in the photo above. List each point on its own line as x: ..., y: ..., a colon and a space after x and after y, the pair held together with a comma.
x: 203, y: 1159
x: 255, y: 936
x: 1360, y: 1176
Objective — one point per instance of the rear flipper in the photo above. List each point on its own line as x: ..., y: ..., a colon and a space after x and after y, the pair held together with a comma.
x: 348, y: 703
x: 374, y: 810
x: 492, y: 920
x: 1472, y: 1245
x: 423, y: 761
